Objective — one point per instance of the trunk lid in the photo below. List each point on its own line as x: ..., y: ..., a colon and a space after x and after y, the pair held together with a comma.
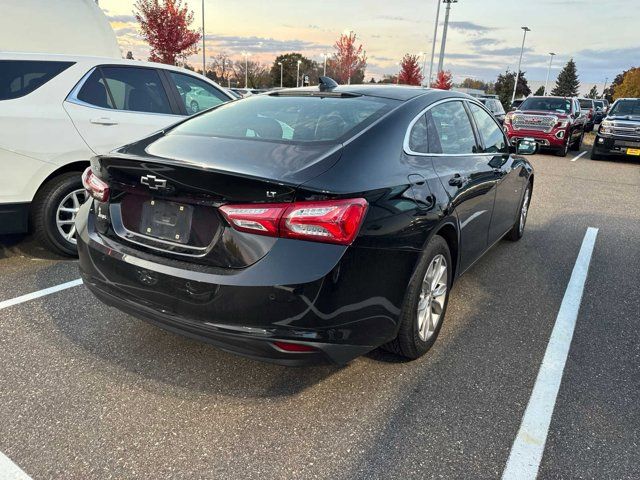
x: 165, y: 192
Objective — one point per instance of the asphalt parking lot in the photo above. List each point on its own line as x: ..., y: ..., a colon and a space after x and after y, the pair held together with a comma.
x: 89, y: 392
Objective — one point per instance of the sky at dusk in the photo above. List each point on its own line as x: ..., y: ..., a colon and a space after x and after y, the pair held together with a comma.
x: 484, y: 35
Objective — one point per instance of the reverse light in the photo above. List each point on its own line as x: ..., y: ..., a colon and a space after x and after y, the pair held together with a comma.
x: 330, y: 221
x: 96, y: 187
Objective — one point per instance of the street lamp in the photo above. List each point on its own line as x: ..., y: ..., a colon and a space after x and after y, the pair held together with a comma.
x: 444, y: 33
x: 204, y: 62
x: 298, y: 74
x: 280, y: 63
x: 246, y: 69
x: 515, y: 85
x: 420, y: 54
x: 324, y: 70
x: 551, y: 54
x: 604, y: 87
x: 433, y: 44
x: 228, y: 74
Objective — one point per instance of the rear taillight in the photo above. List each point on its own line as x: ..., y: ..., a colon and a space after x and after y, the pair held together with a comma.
x: 330, y: 221
x: 294, y: 347
x: 96, y: 187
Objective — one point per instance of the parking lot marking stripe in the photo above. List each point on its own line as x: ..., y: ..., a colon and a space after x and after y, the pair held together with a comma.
x: 578, y: 156
x: 528, y: 447
x: 40, y: 293
x: 11, y: 471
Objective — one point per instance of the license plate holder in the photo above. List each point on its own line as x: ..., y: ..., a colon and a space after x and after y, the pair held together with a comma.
x: 633, y: 151
x: 166, y: 220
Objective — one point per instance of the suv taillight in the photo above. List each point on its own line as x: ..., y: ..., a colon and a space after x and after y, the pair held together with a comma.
x: 330, y: 221
x: 96, y: 187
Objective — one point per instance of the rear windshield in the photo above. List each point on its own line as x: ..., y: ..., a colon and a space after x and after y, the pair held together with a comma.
x: 598, y: 103
x: 289, y: 119
x: 550, y: 104
x: 586, y: 104
x: 626, y: 107
x: 21, y: 77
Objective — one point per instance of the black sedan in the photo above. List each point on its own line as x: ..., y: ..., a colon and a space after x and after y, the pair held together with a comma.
x: 304, y: 225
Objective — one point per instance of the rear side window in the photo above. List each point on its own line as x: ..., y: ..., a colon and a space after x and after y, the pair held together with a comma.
x: 21, y: 77
x: 490, y: 132
x: 418, y: 138
x: 126, y: 88
x: 453, y: 129
x: 196, y: 94
x: 291, y: 119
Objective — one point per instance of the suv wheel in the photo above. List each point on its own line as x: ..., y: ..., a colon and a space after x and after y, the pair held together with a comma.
x: 54, y: 210
x: 562, y: 152
x: 575, y: 146
x: 425, y: 302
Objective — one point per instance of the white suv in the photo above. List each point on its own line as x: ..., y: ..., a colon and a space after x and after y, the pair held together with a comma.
x: 57, y: 111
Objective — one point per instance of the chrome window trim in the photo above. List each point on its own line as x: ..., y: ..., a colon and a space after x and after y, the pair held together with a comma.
x: 408, y: 151
x: 73, y: 98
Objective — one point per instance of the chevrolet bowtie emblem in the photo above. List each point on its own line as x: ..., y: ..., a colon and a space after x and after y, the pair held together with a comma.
x: 153, y: 182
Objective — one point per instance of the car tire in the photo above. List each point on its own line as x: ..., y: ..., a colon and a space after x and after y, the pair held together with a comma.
x: 424, y: 309
x: 58, y: 199
x: 562, y: 152
x: 517, y: 230
x: 594, y: 155
x: 575, y: 146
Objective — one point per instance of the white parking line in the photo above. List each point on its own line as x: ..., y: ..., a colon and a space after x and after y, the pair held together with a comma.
x: 578, y: 156
x: 39, y: 293
x: 10, y: 471
x: 528, y: 447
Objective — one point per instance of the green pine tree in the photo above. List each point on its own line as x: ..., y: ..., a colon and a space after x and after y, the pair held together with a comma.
x: 567, y: 83
x: 540, y: 91
x: 593, y: 93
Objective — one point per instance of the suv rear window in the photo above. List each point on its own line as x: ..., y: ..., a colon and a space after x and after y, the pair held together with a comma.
x: 290, y: 119
x: 586, y: 103
x: 21, y: 77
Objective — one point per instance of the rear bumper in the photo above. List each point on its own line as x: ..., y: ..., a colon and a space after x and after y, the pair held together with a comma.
x: 14, y: 218
x: 343, y: 304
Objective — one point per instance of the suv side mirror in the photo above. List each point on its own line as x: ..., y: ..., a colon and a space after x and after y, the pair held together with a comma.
x: 526, y: 146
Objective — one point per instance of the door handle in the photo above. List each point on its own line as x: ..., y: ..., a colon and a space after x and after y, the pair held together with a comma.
x: 457, y: 180
x: 103, y: 121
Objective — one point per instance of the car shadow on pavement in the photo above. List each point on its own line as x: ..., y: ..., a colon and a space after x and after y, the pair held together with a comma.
x: 27, y: 246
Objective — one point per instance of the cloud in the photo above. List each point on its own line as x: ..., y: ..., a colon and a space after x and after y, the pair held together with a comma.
x: 395, y: 18
x: 469, y: 27
x: 122, y: 18
x: 262, y: 44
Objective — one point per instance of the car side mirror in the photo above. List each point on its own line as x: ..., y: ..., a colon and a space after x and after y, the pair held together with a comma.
x: 526, y: 146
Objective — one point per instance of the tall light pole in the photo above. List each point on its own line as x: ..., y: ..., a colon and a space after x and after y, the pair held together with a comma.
x: 421, y: 54
x: 228, y: 74
x: 298, y: 74
x: 204, y: 62
x: 444, y: 33
x: 604, y: 86
x: 515, y: 85
x: 551, y: 54
x: 246, y: 70
x: 324, y: 70
x: 433, y: 44
x: 280, y: 63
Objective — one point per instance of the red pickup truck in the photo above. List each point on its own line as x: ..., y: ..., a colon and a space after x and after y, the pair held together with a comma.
x: 554, y: 122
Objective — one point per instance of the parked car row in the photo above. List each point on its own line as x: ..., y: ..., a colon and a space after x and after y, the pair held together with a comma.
x: 58, y: 111
x: 619, y: 131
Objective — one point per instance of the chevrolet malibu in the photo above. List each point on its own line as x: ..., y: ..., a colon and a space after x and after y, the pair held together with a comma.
x: 305, y: 225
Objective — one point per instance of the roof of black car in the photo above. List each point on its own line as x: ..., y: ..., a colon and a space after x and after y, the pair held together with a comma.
x: 395, y: 92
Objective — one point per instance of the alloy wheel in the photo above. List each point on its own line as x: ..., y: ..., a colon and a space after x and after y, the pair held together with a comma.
x: 433, y: 295
x: 524, y: 210
x: 66, y: 214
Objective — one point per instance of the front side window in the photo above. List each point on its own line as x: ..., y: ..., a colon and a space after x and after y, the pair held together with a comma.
x: 195, y: 94
x: 491, y: 133
x: 126, y: 88
x: 21, y: 77
x: 291, y: 119
x: 453, y: 130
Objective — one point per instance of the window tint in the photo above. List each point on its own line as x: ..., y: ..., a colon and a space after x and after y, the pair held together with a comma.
x: 453, y: 129
x: 491, y: 133
x: 418, y: 141
x: 129, y: 88
x: 586, y: 104
x: 289, y: 118
x: 196, y: 94
x: 21, y: 77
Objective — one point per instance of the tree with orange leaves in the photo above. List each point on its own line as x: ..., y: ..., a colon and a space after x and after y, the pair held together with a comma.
x: 349, y: 62
x: 410, y: 72
x: 443, y: 80
x: 164, y: 24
